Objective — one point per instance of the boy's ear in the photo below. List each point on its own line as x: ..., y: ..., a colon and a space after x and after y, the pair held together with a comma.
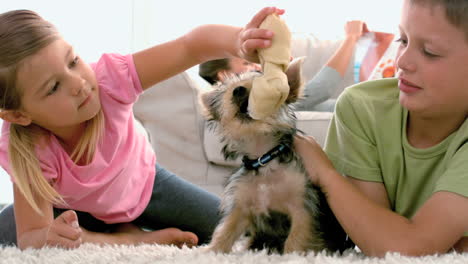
x: 295, y: 79
x: 15, y: 117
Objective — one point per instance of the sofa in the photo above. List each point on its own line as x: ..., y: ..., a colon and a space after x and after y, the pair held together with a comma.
x: 170, y: 113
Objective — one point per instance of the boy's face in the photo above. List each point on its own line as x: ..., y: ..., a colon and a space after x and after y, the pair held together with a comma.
x: 59, y: 90
x: 431, y: 64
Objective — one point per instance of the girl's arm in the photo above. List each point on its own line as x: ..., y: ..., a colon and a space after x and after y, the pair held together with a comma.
x: 201, y: 44
x: 376, y: 230
x: 36, y: 231
x: 324, y: 84
x: 340, y: 60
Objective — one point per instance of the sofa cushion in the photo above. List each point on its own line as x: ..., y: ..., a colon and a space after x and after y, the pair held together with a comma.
x: 169, y: 112
x: 381, y: 44
x: 385, y: 66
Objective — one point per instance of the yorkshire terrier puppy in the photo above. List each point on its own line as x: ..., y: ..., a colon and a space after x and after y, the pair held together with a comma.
x: 270, y: 198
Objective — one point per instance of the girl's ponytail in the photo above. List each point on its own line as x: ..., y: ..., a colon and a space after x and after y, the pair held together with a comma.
x: 26, y: 169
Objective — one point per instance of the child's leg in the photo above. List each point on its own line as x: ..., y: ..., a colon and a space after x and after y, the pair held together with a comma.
x: 7, y: 226
x: 181, y: 204
x: 89, y: 222
x: 97, y: 231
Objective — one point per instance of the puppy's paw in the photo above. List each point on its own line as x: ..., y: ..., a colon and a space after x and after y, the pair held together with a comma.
x: 215, y: 249
x: 294, y: 246
x: 205, y: 249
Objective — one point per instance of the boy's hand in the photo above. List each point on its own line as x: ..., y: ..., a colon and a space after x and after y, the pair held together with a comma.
x: 313, y: 157
x: 252, y: 38
x: 65, y: 231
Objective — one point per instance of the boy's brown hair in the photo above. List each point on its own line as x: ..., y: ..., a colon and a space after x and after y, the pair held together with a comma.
x: 456, y: 11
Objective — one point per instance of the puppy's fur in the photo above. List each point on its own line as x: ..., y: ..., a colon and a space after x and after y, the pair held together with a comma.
x: 276, y: 205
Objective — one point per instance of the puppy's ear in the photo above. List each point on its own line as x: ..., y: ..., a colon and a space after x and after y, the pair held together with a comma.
x: 295, y: 80
x: 209, y: 102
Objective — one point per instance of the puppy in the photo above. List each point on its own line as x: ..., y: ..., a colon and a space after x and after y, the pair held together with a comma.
x: 270, y: 197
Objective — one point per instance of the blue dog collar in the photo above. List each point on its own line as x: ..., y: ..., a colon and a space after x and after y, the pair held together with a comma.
x: 254, y: 164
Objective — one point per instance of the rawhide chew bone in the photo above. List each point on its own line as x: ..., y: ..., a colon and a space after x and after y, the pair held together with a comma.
x: 271, y: 89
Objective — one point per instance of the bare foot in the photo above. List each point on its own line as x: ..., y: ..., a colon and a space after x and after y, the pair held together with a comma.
x: 128, y: 228
x: 168, y: 236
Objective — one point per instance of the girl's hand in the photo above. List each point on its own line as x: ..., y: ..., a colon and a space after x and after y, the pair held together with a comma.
x: 252, y: 38
x: 65, y: 231
x: 355, y: 29
x: 313, y: 157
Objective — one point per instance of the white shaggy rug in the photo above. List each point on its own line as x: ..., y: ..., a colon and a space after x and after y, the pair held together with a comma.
x: 89, y: 253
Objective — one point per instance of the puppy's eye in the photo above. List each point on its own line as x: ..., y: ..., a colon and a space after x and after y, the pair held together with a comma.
x: 239, y: 91
x: 240, y: 97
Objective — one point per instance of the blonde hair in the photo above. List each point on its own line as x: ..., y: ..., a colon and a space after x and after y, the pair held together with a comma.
x: 23, y: 33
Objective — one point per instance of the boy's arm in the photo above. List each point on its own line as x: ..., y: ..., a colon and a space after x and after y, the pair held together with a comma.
x: 434, y: 229
x: 373, y: 190
x: 375, y: 229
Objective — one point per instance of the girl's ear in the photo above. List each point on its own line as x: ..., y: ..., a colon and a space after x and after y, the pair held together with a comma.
x: 220, y: 75
x: 223, y: 75
x: 15, y: 117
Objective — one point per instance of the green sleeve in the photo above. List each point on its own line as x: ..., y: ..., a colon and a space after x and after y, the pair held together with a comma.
x: 350, y: 143
x: 455, y: 178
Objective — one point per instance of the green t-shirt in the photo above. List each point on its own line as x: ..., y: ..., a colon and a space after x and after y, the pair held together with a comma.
x: 367, y: 140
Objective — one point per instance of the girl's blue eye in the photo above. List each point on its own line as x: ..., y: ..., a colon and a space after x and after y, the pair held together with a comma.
x: 429, y: 54
x: 402, y: 41
x: 74, y: 62
x: 54, y: 88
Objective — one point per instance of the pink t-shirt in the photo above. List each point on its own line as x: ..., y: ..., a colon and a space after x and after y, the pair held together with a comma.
x: 117, y: 185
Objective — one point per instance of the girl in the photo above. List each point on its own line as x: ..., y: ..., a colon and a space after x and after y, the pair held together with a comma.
x: 69, y: 140
x: 401, y: 142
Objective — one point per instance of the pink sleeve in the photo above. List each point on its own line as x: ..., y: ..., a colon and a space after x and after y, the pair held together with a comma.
x: 116, y: 75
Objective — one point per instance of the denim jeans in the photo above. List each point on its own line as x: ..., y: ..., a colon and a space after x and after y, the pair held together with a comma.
x: 175, y: 202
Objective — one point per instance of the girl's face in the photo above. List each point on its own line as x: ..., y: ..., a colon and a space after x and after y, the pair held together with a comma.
x: 238, y: 66
x: 60, y: 91
x: 431, y: 64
